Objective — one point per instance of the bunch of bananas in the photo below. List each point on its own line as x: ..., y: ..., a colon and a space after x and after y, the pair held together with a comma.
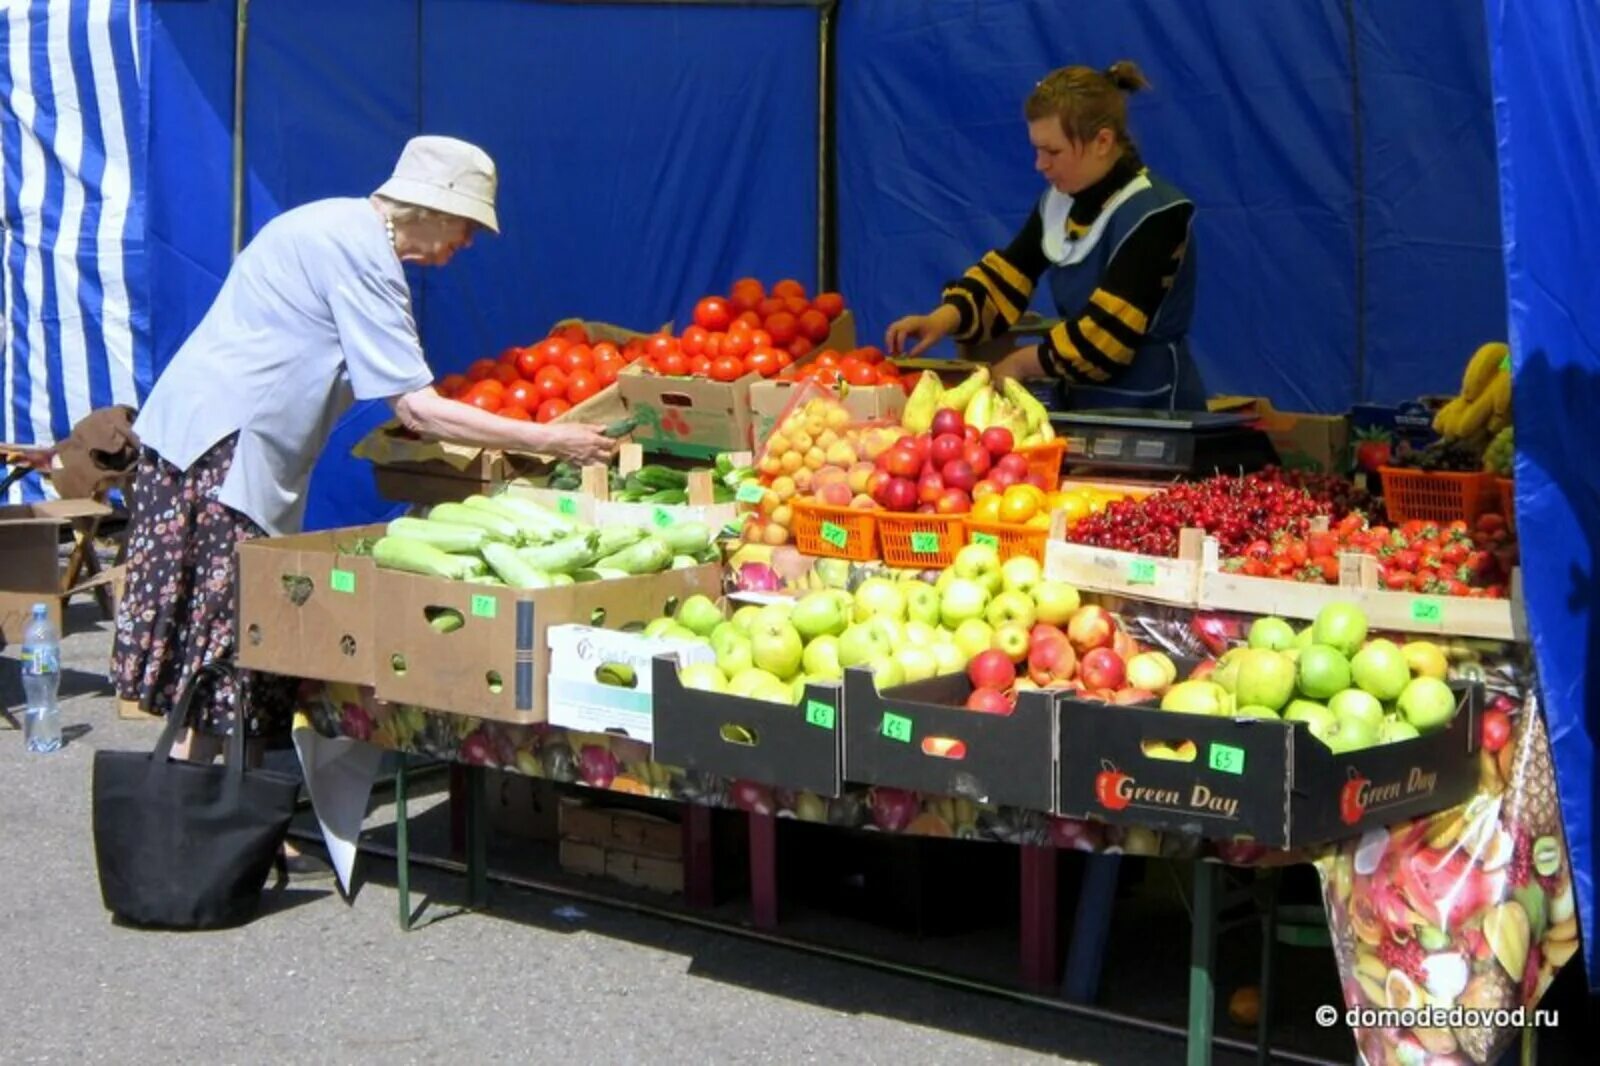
x: 1484, y: 406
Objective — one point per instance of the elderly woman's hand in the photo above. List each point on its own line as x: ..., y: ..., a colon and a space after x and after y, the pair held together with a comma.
x: 578, y: 442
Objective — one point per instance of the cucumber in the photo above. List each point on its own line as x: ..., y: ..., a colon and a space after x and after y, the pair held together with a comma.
x: 659, y: 477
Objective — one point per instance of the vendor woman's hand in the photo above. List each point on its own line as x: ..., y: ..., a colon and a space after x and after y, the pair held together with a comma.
x: 579, y: 442
x: 928, y: 329
x: 1022, y: 364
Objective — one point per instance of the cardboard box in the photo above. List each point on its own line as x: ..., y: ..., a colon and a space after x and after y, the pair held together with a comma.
x: 409, y: 469
x: 307, y: 608
x: 778, y: 744
x: 580, y: 700
x: 495, y: 665
x: 1302, y: 441
x: 769, y: 399
x: 31, y: 542
x: 1266, y: 779
x: 695, y: 417
x: 921, y: 737
x: 520, y: 806
x: 627, y: 846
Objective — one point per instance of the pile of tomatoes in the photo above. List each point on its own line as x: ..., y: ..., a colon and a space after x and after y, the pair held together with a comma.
x: 544, y: 381
x: 748, y: 331
x: 862, y: 368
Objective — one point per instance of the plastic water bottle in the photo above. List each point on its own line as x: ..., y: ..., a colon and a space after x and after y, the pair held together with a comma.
x: 41, y: 679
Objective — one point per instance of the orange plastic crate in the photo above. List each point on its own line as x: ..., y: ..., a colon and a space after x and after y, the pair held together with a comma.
x: 1011, y: 541
x: 1046, y: 459
x: 835, y: 532
x: 920, y: 541
x: 1508, y: 500
x: 1436, y: 495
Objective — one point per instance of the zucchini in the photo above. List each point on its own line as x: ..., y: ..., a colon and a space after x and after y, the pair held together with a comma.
x: 685, y: 538
x: 614, y: 538
x: 649, y: 556
x: 496, y: 525
x: 535, y: 524
x: 442, y: 535
x: 417, y: 557
x: 511, y: 568
x: 563, y: 556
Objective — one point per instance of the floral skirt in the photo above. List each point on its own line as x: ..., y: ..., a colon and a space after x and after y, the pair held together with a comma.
x: 179, y: 608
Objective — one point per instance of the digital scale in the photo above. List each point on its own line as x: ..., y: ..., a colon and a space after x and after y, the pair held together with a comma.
x: 1190, y: 443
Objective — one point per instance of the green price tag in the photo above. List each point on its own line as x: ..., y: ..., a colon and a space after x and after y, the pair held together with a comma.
x: 988, y: 539
x: 1505, y: 363
x: 836, y: 535
x: 896, y: 727
x: 662, y: 518
x: 342, y: 581
x: 1424, y: 609
x: 750, y: 492
x: 925, y: 543
x: 1225, y: 758
x: 484, y: 606
x: 1141, y: 572
x: 819, y: 714
x: 567, y: 506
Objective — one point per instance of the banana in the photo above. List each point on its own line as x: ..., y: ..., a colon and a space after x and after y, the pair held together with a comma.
x: 1481, y: 369
x: 1500, y: 390
x: 1027, y: 403
x: 1444, y: 420
x: 1475, y: 418
x: 959, y: 397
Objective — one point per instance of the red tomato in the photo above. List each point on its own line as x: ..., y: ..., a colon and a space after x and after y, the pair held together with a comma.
x: 693, y: 341
x: 870, y: 354
x: 813, y: 324
x: 763, y: 361
x: 451, y: 384
x: 529, y: 360
x: 605, y: 350
x: 770, y: 306
x: 712, y: 313
x: 830, y: 304
x: 699, y: 366
x: 606, y: 370
x: 782, y: 328
x: 551, y: 382
x: 749, y: 284
x: 506, y: 375
x: 789, y: 287
x: 726, y: 368
x: 675, y: 364
x: 760, y: 338
x: 800, y: 347
x: 858, y: 373
x: 508, y: 357
x: 551, y: 409
x: 748, y: 318
x: 550, y: 348
x: 483, y: 399
x: 575, y: 334
x: 660, y: 344
x: 523, y: 394
x: 785, y: 360
x: 581, y: 385
x: 796, y: 305
x: 746, y: 294
x: 824, y: 375
x: 737, y: 344
x: 480, y: 369
x: 828, y: 359
x: 714, y: 345
x: 576, y: 358
x: 494, y: 386
x: 515, y: 413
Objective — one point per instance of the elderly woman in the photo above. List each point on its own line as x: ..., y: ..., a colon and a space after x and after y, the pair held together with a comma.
x: 314, y: 314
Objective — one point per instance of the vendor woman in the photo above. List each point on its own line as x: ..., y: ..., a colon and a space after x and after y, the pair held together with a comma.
x: 314, y: 314
x: 1113, y: 243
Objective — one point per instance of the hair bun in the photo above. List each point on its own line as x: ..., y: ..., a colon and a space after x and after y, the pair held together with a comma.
x: 1126, y: 75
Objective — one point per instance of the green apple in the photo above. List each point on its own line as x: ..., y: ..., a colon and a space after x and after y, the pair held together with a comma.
x: 963, y: 599
x: 861, y: 642
x: 1359, y: 715
x: 1427, y: 703
x: 949, y: 658
x: 980, y: 563
x: 1021, y: 573
x: 1426, y: 659
x: 1011, y: 606
x: 887, y: 673
x: 745, y: 617
x: 974, y: 636
x: 1323, y: 672
x: 880, y: 596
x: 894, y: 633
x: 1012, y: 638
x: 1265, y: 678
x: 1254, y: 710
x: 1055, y: 602
x: 917, y: 664
x: 776, y: 647
x: 1272, y: 634
x: 819, y: 614
x: 1341, y: 626
x: 700, y: 614
x: 659, y: 627
x: 1380, y: 668
x: 1227, y: 672
x: 1321, y: 721
x: 921, y: 635
x: 703, y: 676
x: 922, y: 603
x: 1396, y: 729
x: 747, y: 682
x: 1196, y: 697
x: 1305, y: 638
x: 1152, y: 671
x: 821, y: 658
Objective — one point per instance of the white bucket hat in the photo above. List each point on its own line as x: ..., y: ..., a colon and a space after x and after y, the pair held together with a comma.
x: 447, y: 175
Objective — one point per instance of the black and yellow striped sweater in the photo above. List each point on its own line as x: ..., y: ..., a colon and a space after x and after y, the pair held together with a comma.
x: 1094, y: 344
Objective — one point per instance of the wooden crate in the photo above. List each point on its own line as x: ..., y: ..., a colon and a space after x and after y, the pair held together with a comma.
x: 628, y: 846
x: 1144, y: 577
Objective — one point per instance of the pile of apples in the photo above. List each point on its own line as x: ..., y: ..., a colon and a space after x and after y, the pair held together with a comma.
x: 545, y: 380
x: 1039, y: 636
x: 748, y: 331
x: 1351, y: 692
x: 942, y: 470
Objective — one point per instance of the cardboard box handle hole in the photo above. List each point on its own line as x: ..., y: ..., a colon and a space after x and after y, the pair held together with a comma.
x: 944, y: 747
x: 1178, y: 750
x: 252, y: 633
x: 733, y: 733
x: 492, y: 678
x: 297, y: 587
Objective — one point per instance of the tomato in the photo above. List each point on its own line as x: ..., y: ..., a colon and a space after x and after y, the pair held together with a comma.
x: 451, y: 384
x: 748, y: 318
x: 699, y: 366
x: 481, y: 369
x: 830, y: 304
x: 789, y: 287
x: 785, y: 360
x: 824, y: 375
x: 827, y: 359
x: 508, y: 357
x: 605, y: 350
x: 859, y: 373
x: 581, y: 385
x: 814, y: 324
x: 712, y: 313
x: 796, y: 305
x: 800, y: 347
x: 515, y: 413
x: 727, y: 368
x: 551, y: 382
x: 483, y: 399
x: 675, y: 364
x: 660, y: 344
x: 770, y: 306
x: 714, y: 346
x: 737, y: 344
x: 578, y: 357
x: 523, y: 394
x: 505, y: 375
x: 746, y: 294
x: 763, y: 361
x: 693, y: 341
x: 782, y: 327
x: 575, y: 334
x: 760, y: 338
x: 607, y: 369
x: 551, y: 409
x: 529, y: 360
x: 493, y: 386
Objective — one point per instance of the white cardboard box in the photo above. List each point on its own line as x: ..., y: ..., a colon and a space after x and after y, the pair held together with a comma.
x: 578, y: 700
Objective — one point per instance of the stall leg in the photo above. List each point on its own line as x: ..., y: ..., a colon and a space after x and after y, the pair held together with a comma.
x: 1269, y: 942
x: 1038, y: 932
x: 1202, y: 951
x: 698, y: 861
x: 458, y: 812
x: 477, y: 840
x: 1091, y: 928
x: 764, y: 869
x: 402, y: 846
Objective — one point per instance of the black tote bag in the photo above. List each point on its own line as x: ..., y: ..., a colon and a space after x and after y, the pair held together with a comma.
x: 184, y: 845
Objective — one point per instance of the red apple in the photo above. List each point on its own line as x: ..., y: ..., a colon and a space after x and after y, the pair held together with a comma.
x: 998, y: 441
x: 930, y: 486
x: 1016, y: 464
x: 957, y: 474
x: 922, y: 443
x: 1052, y: 662
x: 1129, y: 696
x: 977, y: 457
x: 1203, y: 671
x: 1124, y: 645
x: 946, y: 446
x: 927, y: 508
x: 902, y: 460
x: 971, y: 435
x: 948, y: 420
x: 953, y: 501
x: 989, y: 701
x: 1043, y: 631
x: 900, y: 494
x: 877, y: 482
x: 1003, y: 479
x: 1091, y: 627
x: 1039, y: 481
x: 1103, y: 668
x: 991, y: 669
